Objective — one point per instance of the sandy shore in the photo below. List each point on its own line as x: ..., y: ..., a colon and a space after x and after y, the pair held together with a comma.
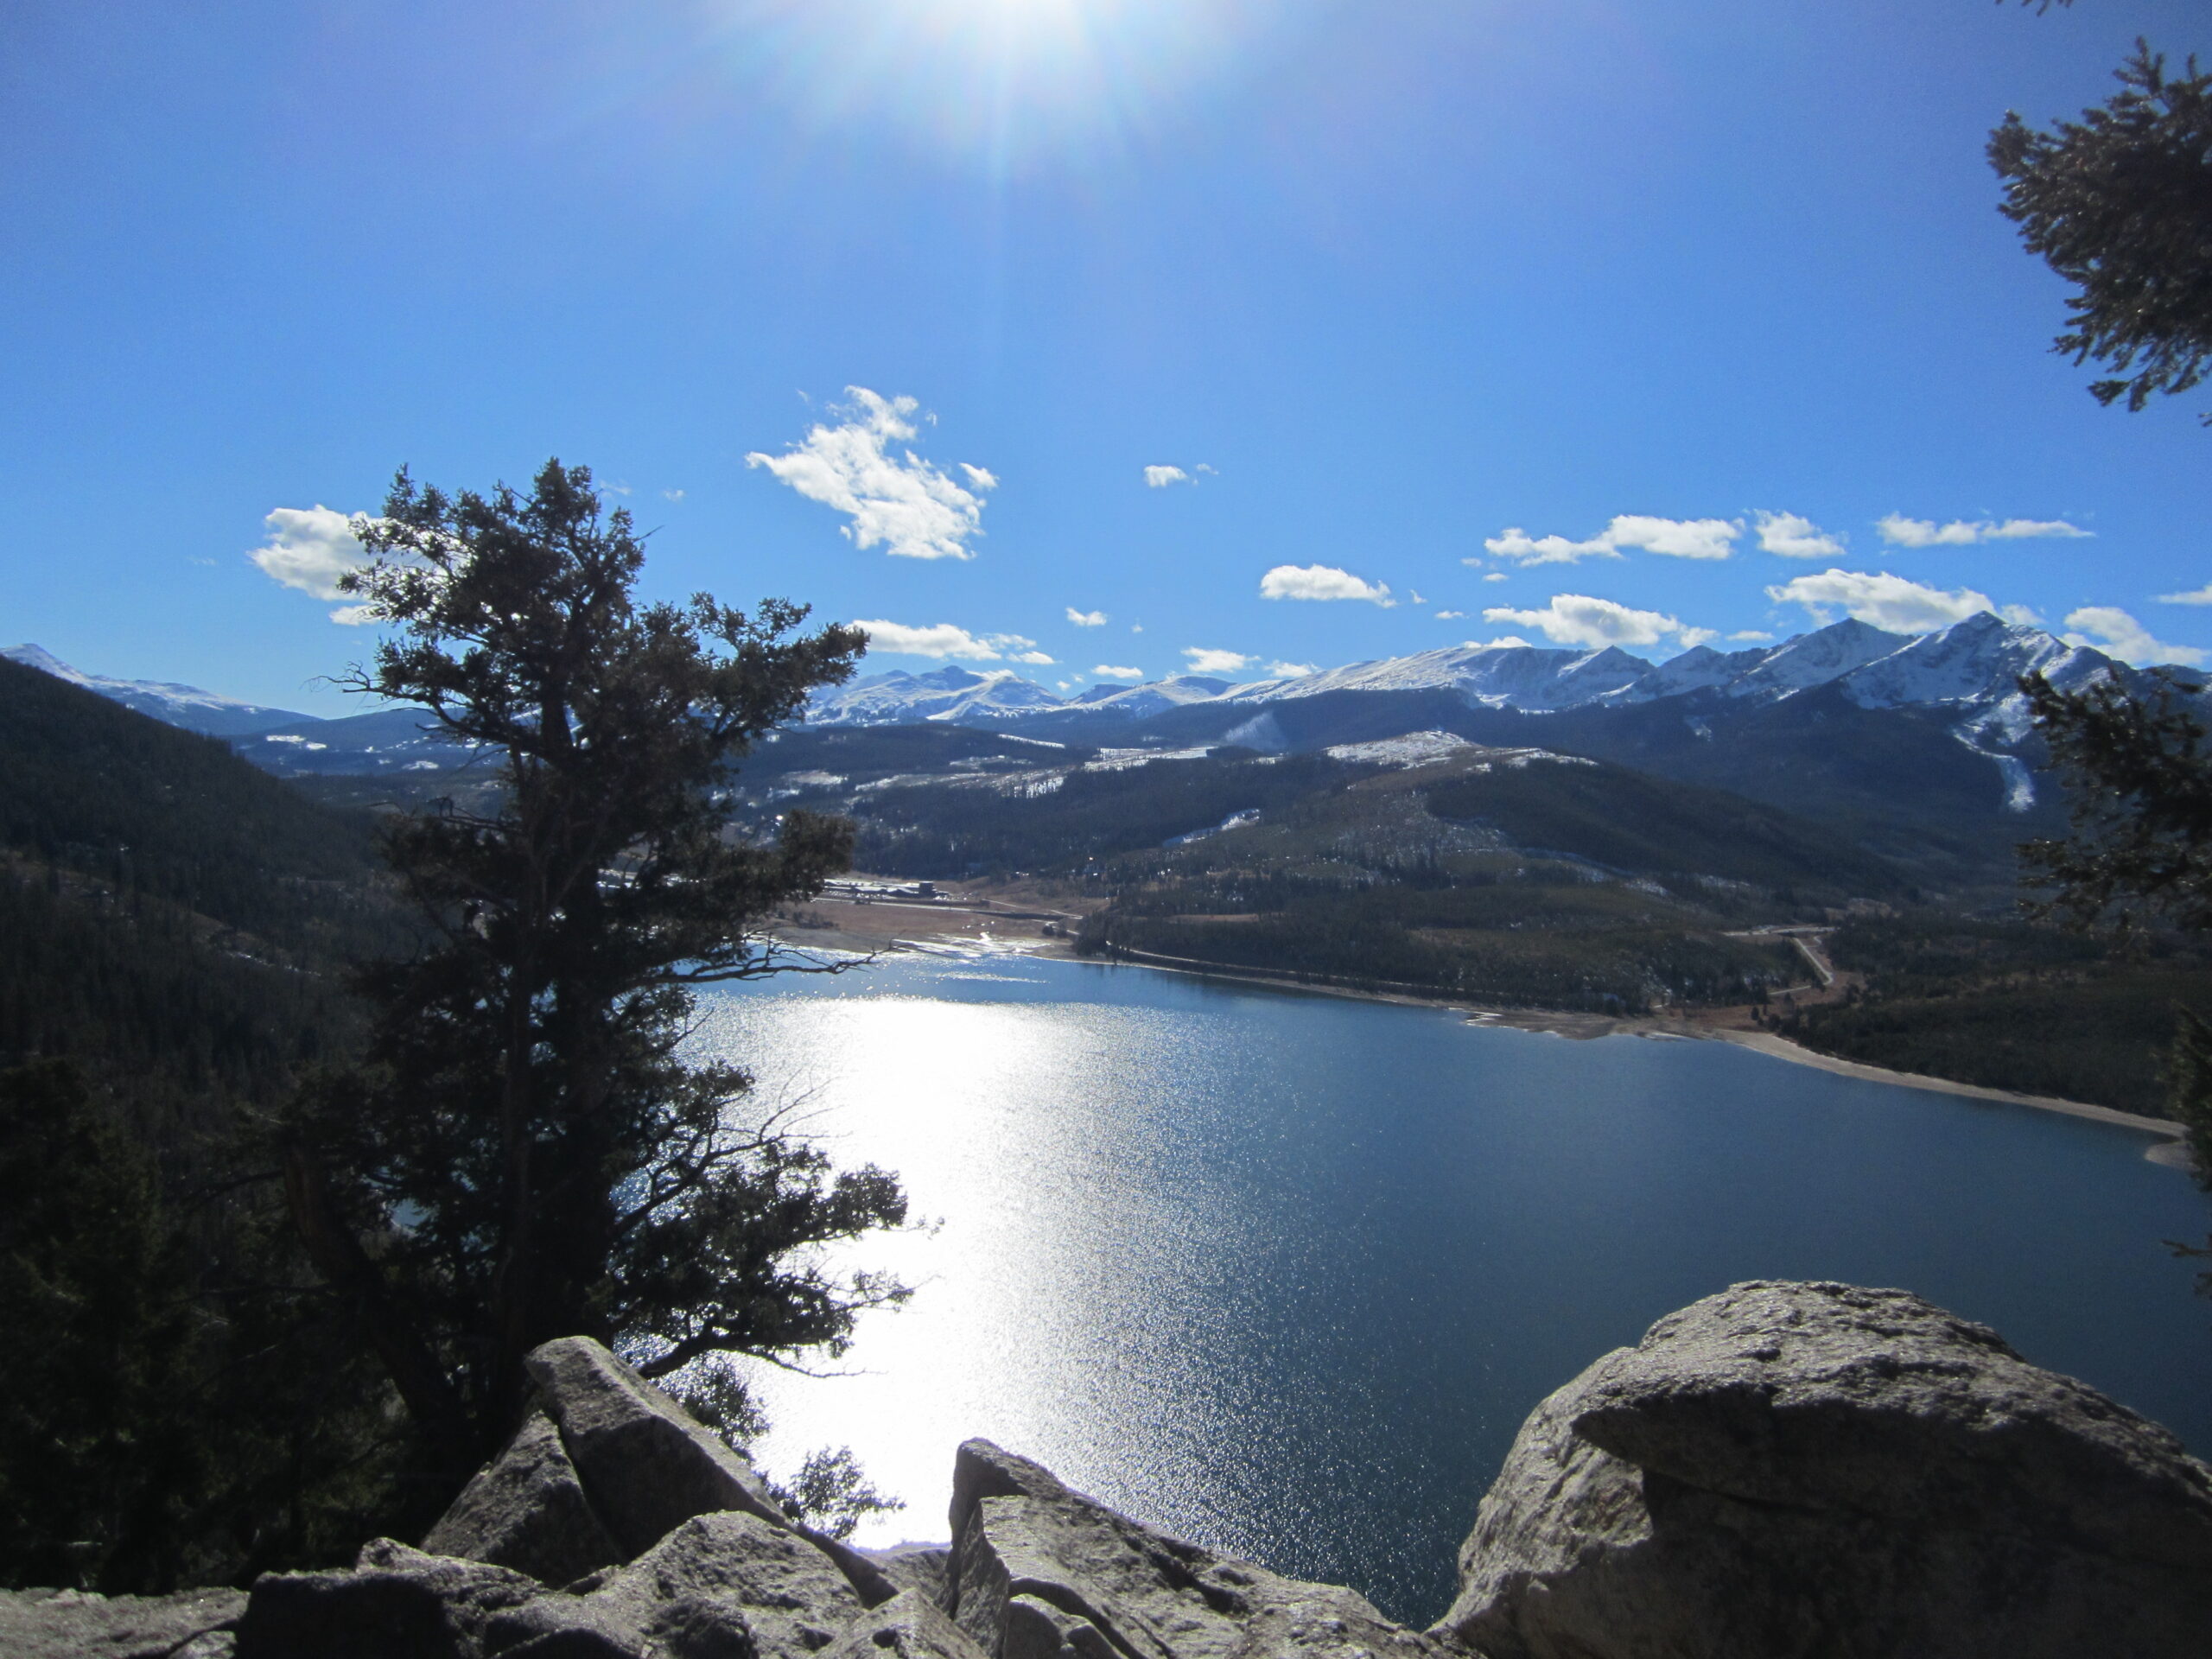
x: 880, y: 927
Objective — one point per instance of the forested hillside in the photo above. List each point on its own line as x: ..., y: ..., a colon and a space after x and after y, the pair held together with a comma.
x: 1997, y: 1001
x: 1516, y: 876
x: 175, y: 927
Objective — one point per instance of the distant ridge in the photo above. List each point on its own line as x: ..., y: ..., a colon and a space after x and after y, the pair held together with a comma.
x: 178, y: 705
x: 1977, y: 662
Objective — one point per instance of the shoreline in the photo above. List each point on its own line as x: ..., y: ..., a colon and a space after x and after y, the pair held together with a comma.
x: 2167, y: 1150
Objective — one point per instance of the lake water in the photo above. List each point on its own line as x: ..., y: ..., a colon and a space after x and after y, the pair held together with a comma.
x: 1283, y: 1273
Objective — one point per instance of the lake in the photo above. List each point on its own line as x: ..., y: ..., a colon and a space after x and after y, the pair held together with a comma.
x: 1283, y: 1273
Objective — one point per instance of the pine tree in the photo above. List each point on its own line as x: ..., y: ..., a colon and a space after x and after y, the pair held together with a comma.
x: 528, y: 1153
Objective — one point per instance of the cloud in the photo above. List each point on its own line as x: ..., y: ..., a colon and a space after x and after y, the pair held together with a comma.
x: 1449, y: 616
x: 1204, y: 661
x: 672, y: 495
x: 1159, y: 478
x: 1292, y: 671
x: 1795, y: 538
x: 912, y: 508
x: 1900, y: 531
x: 943, y: 640
x: 1088, y: 619
x: 2194, y: 596
x: 1503, y: 642
x: 1676, y: 538
x: 1752, y: 636
x: 309, y: 549
x: 1413, y: 596
x: 1494, y: 575
x: 1108, y: 671
x: 1579, y: 619
x: 982, y: 478
x: 1882, y: 600
x: 2112, y: 630
x: 1516, y: 543
x: 1322, y: 581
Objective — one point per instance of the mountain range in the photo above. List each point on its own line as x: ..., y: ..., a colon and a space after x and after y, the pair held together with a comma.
x: 1921, y: 748
x: 1971, y: 663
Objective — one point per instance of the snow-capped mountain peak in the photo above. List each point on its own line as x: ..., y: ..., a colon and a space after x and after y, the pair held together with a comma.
x: 179, y: 705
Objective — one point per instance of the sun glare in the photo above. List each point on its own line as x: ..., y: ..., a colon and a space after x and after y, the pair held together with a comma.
x: 1014, y: 82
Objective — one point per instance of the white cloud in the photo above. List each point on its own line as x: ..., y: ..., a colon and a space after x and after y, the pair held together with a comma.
x: 672, y: 495
x: 1292, y: 671
x: 309, y: 549
x: 913, y: 508
x: 1088, y: 619
x: 1322, y: 581
x: 1794, y: 537
x: 1204, y: 661
x: 1413, y: 596
x: 1494, y: 575
x: 1885, y: 600
x: 2112, y: 630
x: 2194, y: 596
x: 1136, y: 627
x: 1517, y: 544
x: 1449, y: 616
x: 1503, y: 642
x: 1752, y: 636
x: 982, y: 478
x: 1579, y: 619
x: 1159, y: 478
x: 1901, y: 532
x: 2023, y: 616
x: 1108, y: 671
x: 943, y: 640
x: 1676, y: 538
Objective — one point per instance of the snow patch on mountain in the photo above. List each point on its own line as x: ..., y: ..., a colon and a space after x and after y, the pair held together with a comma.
x: 178, y: 705
x: 1413, y: 749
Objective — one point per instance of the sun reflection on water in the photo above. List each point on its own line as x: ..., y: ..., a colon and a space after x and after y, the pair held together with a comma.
x: 1284, y: 1275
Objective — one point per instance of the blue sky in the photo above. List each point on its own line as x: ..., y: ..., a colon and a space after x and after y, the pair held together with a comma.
x: 1512, y: 307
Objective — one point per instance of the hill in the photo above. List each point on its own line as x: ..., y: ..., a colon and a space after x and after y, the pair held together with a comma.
x: 1518, y: 875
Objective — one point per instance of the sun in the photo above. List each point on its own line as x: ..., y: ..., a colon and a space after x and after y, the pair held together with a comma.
x: 1014, y: 81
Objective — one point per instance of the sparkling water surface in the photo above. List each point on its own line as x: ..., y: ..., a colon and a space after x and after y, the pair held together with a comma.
x: 1283, y: 1273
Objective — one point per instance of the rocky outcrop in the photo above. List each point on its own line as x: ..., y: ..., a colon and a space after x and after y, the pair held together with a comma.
x: 1784, y: 1469
x: 1039, y: 1572
x: 71, y: 1624
x: 1818, y: 1469
x: 526, y: 1509
x: 649, y: 1465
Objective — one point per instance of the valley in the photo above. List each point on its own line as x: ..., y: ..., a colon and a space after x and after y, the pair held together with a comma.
x: 1526, y: 830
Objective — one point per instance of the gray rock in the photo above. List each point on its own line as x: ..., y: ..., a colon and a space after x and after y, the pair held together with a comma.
x: 395, y: 1603
x: 646, y: 1464
x: 71, y: 1625
x: 727, y: 1585
x: 924, y: 1567
x: 1818, y: 1469
x: 909, y: 1626
x: 526, y: 1509
x: 1038, y: 1570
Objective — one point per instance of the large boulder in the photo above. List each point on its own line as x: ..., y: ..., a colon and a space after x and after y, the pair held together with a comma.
x: 526, y: 1509
x: 1039, y: 1572
x: 72, y: 1624
x: 1792, y: 1469
x: 648, y: 1464
x: 910, y: 1626
x: 397, y: 1603
x: 722, y: 1584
